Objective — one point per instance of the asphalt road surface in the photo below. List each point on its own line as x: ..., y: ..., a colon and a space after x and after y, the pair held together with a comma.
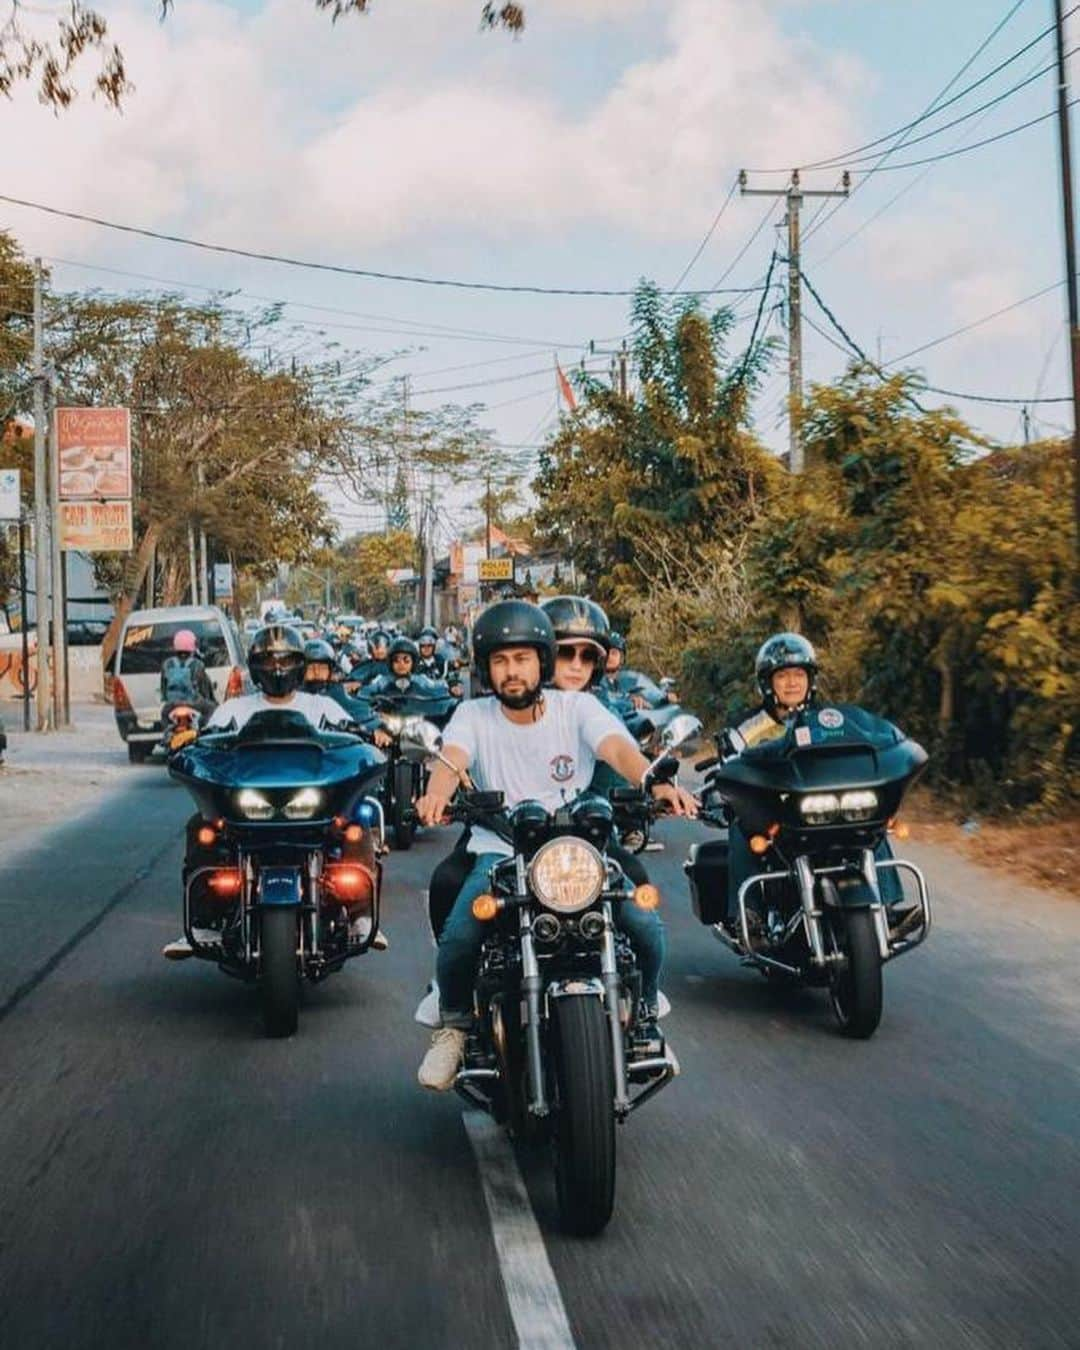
x: 170, y: 1178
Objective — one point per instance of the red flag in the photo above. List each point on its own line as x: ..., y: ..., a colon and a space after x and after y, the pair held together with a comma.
x: 564, y: 388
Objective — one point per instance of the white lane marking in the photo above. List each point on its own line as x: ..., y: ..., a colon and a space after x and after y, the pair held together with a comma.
x: 532, y: 1292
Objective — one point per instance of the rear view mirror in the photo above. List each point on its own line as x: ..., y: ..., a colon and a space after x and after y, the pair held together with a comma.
x: 420, y: 740
x: 682, y: 733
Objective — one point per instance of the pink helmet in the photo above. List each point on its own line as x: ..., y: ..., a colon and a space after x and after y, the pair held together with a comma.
x: 184, y: 641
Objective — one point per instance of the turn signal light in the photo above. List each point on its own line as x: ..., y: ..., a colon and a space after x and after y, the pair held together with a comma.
x: 484, y: 908
x: 646, y: 897
x: 206, y: 836
x: 121, y: 702
x: 353, y: 834
x: 348, y: 881
x: 235, y: 686
x: 759, y: 843
x: 773, y: 830
x: 226, y: 882
x: 902, y: 830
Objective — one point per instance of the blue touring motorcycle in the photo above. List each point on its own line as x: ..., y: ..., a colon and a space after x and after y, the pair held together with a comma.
x: 816, y: 891
x: 287, y: 874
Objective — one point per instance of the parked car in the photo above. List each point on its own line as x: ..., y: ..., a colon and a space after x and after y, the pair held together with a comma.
x: 145, y: 642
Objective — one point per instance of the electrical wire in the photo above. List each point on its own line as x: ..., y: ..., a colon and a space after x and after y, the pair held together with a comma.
x: 975, y: 145
x: 770, y: 211
x: 708, y: 235
x: 335, y: 268
x: 976, y: 323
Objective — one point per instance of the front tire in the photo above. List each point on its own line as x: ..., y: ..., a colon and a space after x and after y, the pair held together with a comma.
x: 585, y: 1125
x: 402, y: 818
x: 856, y: 991
x: 279, y: 982
x: 139, y: 752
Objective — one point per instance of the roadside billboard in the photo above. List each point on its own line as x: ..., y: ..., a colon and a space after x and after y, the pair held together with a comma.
x: 93, y: 446
x: 96, y: 527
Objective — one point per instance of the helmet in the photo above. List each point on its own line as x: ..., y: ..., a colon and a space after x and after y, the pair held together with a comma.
x: 426, y: 636
x: 276, y: 660
x: 184, y: 641
x: 514, y: 623
x: 378, y: 637
x: 779, y: 652
x: 403, y: 646
x: 576, y: 618
x: 317, y: 653
x: 617, y: 641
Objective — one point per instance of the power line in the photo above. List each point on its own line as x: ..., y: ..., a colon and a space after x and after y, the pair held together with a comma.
x: 745, y: 249
x: 976, y: 323
x: 335, y: 268
x: 708, y: 235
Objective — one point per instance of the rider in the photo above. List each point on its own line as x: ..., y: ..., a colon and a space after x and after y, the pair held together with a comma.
x: 276, y: 664
x: 184, y: 678
x: 375, y: 665
x: 319, y: 678
x: 529, y: 743
x: 431, y: 661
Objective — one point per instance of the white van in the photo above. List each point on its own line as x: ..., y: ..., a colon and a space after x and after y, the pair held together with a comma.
x: 145, y: 641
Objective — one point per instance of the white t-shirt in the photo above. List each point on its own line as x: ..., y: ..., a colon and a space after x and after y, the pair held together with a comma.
x: 317, y: 708
x: 550, y: 761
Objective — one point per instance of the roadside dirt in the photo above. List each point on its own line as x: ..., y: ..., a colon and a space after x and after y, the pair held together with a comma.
x: 1045, y: 855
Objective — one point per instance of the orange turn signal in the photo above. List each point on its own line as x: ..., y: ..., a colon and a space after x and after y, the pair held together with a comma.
x: 773, y: 830
x: 353, y: 834
x: 485, y: 907
x: 902, y: 830
x: 206, y: 836
x: 646, y: 897
x: 758, y: 843
x: 349, y: 882
x: 226, y: 882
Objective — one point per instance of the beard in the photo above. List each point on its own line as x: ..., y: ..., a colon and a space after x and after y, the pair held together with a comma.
x: 524, y: 698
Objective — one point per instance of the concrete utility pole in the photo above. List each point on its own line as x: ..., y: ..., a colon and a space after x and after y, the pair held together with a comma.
x: 204, y: 581
x: 620, y: 365
x: 1070, y: 250
x: 795, y: 195
x: 41, y: 514
x: 56, y: 563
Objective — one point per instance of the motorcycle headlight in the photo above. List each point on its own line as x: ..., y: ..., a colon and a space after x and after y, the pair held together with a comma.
x: 253, y: 805
x: 860, y: 805
x: 303, y: 805
x: 818, y: 808
x: 567, y: 875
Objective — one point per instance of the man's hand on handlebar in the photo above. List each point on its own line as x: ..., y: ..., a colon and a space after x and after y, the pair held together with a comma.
x: 433, y: 809
x: 679, y: 801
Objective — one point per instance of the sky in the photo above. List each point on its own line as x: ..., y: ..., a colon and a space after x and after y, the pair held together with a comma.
x: 595, y: 150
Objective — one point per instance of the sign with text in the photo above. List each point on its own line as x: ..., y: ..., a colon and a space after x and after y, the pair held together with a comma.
x: 496, y: 569
x: 223, y: 581
x: 96, y: 527
x: 10, y: 487
x: 93, y: 446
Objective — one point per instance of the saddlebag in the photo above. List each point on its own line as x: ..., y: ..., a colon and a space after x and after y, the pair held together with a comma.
x: 707, y: 870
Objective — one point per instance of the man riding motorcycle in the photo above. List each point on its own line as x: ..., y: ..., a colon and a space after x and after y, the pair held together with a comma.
x: 528, y: 743
x: 276, y: 665
x: 785, y: 671
x: 184, y: 678
x: 620, y: 681
x: 436, y: 664
x: 403, y: 675
x: 319, y: 678
x: 363, y: 672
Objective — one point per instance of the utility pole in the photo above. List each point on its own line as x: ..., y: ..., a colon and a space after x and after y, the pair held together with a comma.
x: 1070, y: 250
x: 193, y: 575
x: 795, y: 195
x: 41, y: 514
x: 204, y: 582
x: 620, y: 363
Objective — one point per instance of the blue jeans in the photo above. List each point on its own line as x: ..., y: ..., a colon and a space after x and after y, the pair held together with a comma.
x: 463, y: 936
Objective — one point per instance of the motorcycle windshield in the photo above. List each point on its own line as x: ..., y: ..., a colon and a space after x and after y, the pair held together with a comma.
x: 274, y: 758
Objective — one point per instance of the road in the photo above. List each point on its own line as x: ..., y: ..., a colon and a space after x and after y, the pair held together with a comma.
x: 172, y: 1179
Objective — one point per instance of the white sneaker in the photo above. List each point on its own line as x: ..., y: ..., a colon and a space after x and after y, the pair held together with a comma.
x: 380, y: 942
x: 663, y: 1004
x: 440, y: 1065
x: 179, y: 950
x: 428, y: 1012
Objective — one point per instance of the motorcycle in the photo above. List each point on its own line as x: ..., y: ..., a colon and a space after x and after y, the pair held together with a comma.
x: 180, y: 724
x: 406, y: 780
x: 292, y: 836
x: 552, y: 1054
x: 815, y: 806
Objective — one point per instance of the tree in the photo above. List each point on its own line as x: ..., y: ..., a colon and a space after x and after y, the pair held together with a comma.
x: 28, y: 55
x: 361, y: 564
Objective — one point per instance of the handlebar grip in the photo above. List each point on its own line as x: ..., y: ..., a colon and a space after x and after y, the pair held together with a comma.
x: 709, y: 763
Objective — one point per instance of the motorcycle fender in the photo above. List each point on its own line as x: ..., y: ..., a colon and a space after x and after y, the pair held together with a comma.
x: 847, y: 892
x: 575, y: 988
x: 281, y: 887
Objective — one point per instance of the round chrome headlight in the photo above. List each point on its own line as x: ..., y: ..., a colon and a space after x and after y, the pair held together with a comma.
x: 567, y: 875
x: 253, y: 805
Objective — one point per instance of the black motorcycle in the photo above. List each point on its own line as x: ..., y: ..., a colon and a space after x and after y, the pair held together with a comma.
x: 553, y: 1053
x: 822, y: 903
x: 290, y: 854
x: 406, y: 780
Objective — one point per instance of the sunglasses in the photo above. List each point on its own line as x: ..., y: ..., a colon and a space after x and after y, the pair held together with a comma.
x: 584, y: 652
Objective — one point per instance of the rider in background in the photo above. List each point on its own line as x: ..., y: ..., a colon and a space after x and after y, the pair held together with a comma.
x: 184, y: 678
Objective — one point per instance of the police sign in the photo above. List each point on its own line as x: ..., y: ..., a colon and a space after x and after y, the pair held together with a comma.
x: 496, y: 569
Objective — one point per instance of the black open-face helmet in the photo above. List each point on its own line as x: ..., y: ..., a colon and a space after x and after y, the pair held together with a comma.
x: 513, y: 623
x: 276, y: 660
x: 427, y: 637
x: 780, y: 652
x: 578, y: 619
x: 318, y: 652
x: 617, y: 641
x: 378, y: 637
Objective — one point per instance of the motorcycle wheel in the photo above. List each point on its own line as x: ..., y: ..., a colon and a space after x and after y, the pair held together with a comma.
x: 585, y: 1126
x: 139, y: 752
x: 856, y: 991
x: 402, y: 818
x: 279, y: 983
